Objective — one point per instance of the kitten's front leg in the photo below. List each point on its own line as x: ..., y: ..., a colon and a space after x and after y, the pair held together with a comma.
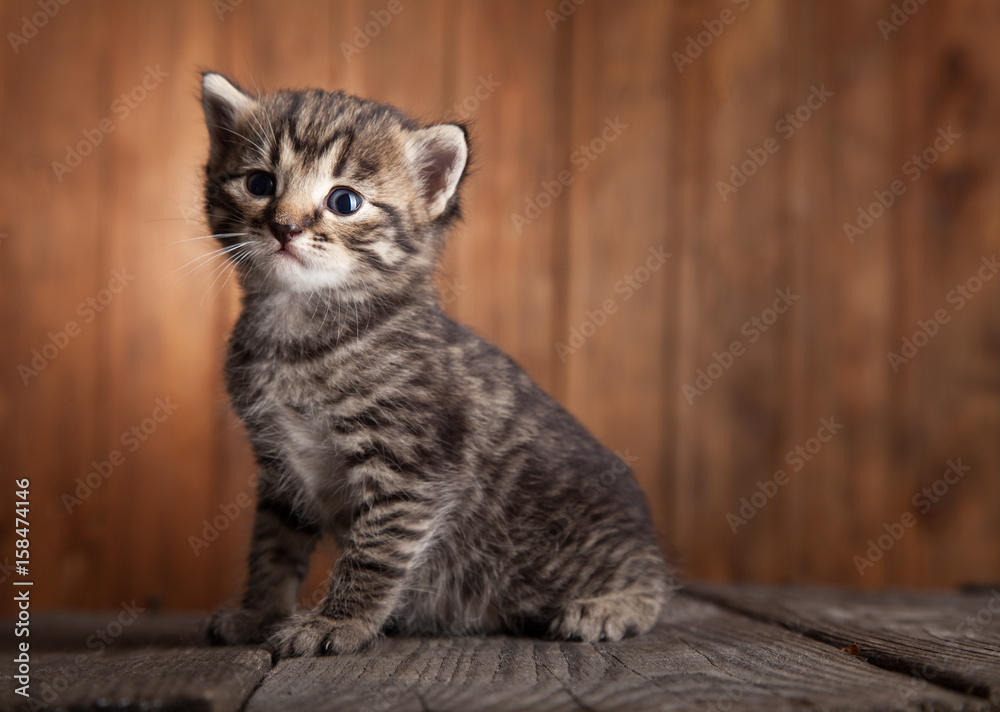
x: 386, y: 540
x: 279, y: 559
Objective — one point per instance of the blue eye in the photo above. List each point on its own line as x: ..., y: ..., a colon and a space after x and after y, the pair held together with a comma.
x: 260, y: 184
x: 343, y: 201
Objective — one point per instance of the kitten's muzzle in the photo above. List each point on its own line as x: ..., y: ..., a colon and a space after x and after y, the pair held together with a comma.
x: 285, y: 232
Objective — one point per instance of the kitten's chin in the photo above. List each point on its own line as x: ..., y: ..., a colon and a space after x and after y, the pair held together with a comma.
x: 293, y: 273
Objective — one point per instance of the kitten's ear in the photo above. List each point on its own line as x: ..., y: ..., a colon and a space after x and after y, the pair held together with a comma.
x: 437, y: 156
x: 223, y: 103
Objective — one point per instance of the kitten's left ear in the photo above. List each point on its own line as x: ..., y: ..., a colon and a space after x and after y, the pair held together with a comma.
x: 438, y: 155
x: 224, y: 103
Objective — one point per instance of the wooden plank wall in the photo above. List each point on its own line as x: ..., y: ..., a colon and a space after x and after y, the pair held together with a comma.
x: 632, y: 112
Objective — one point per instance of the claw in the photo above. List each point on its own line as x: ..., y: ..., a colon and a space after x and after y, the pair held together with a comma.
x: 315, y: 635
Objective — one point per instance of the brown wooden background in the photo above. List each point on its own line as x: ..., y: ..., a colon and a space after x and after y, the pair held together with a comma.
x: 653, y: 186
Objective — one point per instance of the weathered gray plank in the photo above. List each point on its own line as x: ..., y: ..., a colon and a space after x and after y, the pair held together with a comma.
x: 701, y: 656
x: 198, y: 679
x: 949, y: 639
x: 90, y: 631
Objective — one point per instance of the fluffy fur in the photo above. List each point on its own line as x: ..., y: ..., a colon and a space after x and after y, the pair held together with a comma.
x: 463, y: 498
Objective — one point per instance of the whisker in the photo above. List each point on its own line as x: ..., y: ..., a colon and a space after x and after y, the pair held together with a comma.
x: 235, y: 265
x: 209, y: 237
x: 205, y: 260
x: 326, y: 313
x: 263, y: 153
x: 258, y: 130
x: 195, y: 239
x: 232, y: 268
x: 218, y: 272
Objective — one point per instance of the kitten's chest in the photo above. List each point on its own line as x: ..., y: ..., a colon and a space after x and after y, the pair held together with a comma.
x: 289, y: 418
x: 306, y: 442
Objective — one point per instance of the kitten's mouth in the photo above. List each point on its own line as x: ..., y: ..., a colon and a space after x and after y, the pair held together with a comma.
x: 286, y: 252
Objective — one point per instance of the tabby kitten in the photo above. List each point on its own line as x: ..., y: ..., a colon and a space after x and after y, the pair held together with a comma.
x: 463, y: 498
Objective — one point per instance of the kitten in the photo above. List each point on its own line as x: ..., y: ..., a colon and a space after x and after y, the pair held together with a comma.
x: 463, y: 498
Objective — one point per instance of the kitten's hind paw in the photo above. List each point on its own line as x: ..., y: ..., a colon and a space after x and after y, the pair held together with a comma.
x: 312, y: 635
x: 237, y: 626
x: 611, y: 617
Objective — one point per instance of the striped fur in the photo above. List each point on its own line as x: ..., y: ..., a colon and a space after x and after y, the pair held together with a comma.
x: 463, y: 498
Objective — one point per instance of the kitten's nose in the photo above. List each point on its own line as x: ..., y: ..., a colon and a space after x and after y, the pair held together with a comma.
x: 284, y: 232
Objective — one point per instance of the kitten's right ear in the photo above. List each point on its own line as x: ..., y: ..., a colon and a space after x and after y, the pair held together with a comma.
x: 223, y: 103
x: 438, y: 155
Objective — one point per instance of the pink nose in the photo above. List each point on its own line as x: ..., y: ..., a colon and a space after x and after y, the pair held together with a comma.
x: 284, y: 232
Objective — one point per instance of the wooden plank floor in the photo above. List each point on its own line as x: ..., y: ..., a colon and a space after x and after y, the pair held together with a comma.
x: 716, y: 648
x: 952, y: 640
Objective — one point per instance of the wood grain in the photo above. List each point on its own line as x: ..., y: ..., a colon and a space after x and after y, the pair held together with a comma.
x: 948, y: 226
x: 181, y: 679
x: 839, y: 364
x: 53, y: 397
x: 560, y: 76
x: 699, y: 657
x: 619, y: 280
x: 493, y: 90
x: 702, y: 655
x: 950, y: 640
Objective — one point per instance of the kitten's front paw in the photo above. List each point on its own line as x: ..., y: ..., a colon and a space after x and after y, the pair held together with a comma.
x: 313, y: 634
x: 611, y: 617
x: 237, y: 626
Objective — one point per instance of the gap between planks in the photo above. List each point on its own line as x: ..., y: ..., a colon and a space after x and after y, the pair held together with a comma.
x: 915, y: 634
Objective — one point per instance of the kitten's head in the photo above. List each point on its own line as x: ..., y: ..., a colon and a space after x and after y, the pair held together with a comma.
x: 330, y: 190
